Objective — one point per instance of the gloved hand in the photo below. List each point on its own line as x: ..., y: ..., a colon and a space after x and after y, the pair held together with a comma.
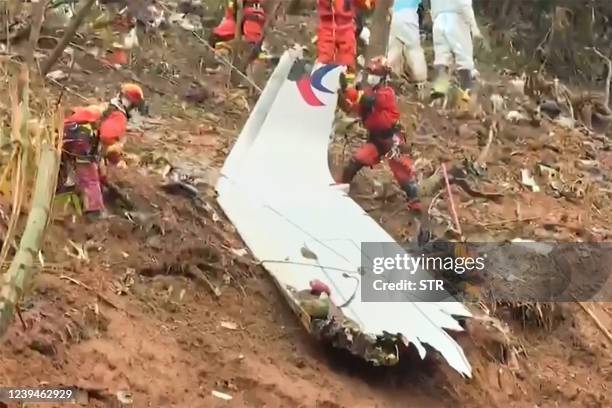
x: 351, y: 97
x: 113, y: 153
x: 365, y: 35
x: 343, y: 82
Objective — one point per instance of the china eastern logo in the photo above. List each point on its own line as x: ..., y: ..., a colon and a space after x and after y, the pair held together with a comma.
x: 307, y: 83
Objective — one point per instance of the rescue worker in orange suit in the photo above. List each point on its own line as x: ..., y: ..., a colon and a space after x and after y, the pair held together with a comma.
x: 92, y: 133
x: 253, y: 22
x: 336, y: 32
x: 377, y: 107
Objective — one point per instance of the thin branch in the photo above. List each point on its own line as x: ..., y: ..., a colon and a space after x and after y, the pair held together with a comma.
x: 608, y: 79
x: 70, y: 32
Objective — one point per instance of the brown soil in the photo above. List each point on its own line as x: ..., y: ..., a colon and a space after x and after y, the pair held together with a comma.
x: 136, y: 315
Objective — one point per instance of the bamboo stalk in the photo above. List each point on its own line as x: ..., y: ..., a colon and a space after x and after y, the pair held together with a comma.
x: 20, y: 273
x: 21, y: 142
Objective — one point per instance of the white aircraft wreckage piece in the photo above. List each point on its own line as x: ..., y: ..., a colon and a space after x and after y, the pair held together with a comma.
x: 277, y: 189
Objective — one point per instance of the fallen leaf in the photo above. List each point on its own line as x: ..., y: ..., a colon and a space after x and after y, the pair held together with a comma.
x: 221, y: 395
x: 125, y: 397
x: 57, y: 75
x: 239, y: 252
x: 528, y: 181
x: 229, y: 325
x: 308, y: 254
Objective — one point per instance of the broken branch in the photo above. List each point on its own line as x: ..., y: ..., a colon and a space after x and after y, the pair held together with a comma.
x: 608, y: 79
x: 70, y: 32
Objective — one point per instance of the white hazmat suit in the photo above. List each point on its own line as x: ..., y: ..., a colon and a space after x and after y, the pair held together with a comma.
x: 405, y: 40
x: 454, y: 24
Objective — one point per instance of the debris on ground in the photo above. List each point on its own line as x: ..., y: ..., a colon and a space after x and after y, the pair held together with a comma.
x: 163, y: 296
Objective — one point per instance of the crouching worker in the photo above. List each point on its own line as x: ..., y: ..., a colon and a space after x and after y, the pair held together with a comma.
x: 94, y: 133
x: 253, y: 22
x: 377, y: 107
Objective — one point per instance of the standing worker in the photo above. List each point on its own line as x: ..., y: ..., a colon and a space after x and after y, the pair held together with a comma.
x: 454, y: 27
x: 336, y: 32
x: 252, y: 30
x: 405, y: 40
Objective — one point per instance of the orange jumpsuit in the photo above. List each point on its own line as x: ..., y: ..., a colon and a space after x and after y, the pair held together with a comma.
x: 378, y: 110
x: 84, y: 130
x: 254, y: 19
x: 336, y: 42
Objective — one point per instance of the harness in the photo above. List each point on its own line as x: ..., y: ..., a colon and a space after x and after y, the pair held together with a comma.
x: 384, y: 135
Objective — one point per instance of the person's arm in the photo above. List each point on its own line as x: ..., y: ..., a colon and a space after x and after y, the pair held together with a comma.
x: 112, y: 128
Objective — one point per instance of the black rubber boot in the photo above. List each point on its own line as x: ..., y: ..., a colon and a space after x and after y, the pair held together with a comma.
x: 465, y: 79
x: 93, y: 216
x: 465, y: 83
x: 350, y: 171
x: 412, y: 194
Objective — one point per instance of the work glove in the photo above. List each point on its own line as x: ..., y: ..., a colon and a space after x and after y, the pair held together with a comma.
x: 113, y: 154
x: 351, y: 98
x: 343, y: 82
x: 365, y: 35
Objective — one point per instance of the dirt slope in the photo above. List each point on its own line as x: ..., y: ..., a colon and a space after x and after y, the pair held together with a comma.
x: 136, y: 315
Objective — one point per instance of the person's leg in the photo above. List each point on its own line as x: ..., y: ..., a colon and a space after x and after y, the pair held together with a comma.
x: 405, y: 45
x: 346, y: 44
x: 403, y: 172
x: 460, y: 40
x: 326, y: 48
x: 366, y: 155
x: 443, y: 55
x: 415, y: 55
x: 395, y: 46
x: 225, y: 31
x: 88, y: 184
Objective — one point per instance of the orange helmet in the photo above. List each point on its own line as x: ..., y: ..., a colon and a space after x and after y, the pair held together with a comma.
x: 378, y: 66
x: 132, y: 93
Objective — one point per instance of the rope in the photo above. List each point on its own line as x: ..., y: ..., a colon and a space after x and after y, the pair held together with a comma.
x: 226, y: 62
x: 333, y: 10
x: 450, y: 199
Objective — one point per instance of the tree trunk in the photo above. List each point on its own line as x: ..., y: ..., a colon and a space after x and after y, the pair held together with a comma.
x: 239, y: 48
x: 68, y: 35
x: 381, y: 22
x: 38, y: 15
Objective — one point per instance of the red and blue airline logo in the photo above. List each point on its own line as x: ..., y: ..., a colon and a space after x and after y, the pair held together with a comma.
x: 308, y: 82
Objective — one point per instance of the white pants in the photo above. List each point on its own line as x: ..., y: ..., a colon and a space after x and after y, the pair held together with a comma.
x: 452, y: 36
x: 405, y: 45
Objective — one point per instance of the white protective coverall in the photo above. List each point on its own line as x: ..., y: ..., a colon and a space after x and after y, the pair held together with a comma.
x: 454, y: 24
x: 405, y: 40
